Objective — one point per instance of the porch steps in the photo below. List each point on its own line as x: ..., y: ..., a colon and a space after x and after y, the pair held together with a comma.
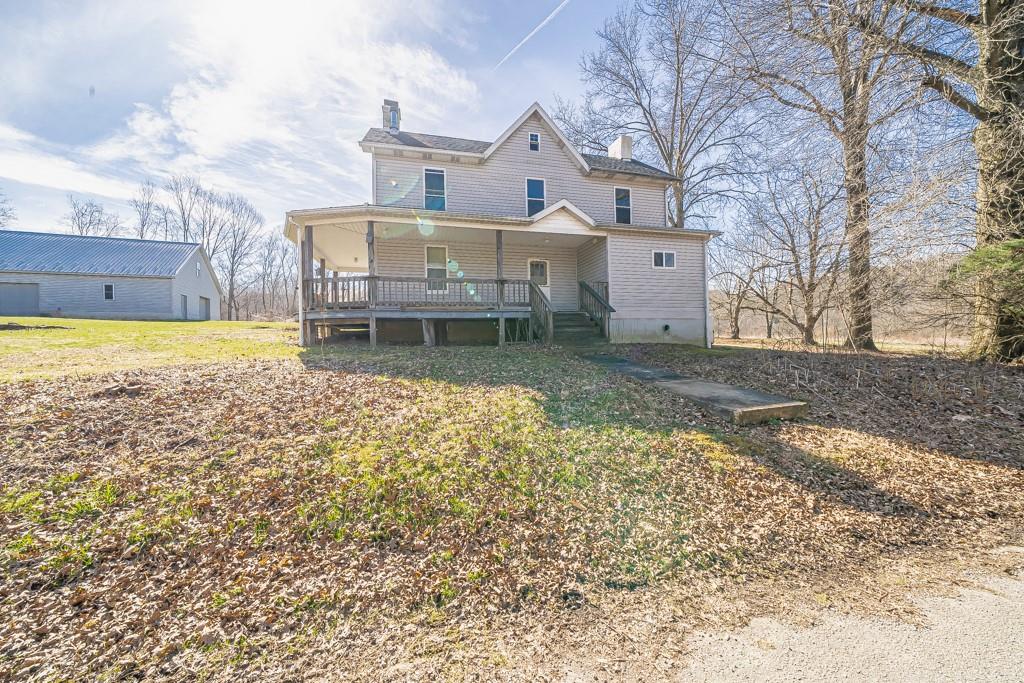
x: 576, y: 329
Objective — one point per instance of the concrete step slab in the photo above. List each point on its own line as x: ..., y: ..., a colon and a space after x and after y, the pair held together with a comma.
x: 738, y: 404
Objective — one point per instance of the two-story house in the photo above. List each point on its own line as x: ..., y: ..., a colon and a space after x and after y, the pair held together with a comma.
x: 515, y: 239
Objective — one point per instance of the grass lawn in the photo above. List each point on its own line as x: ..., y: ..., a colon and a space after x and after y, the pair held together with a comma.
x: 215, y: 502
x: 96, y: 346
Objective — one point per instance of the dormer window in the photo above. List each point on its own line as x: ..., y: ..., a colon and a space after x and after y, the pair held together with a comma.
x: 394, y: 119
x: 534, y: 142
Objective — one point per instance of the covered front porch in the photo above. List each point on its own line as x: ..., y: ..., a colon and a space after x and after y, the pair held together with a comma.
x: 375, y: 267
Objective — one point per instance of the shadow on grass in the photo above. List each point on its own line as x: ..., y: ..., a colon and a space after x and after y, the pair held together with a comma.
x: 965, y: 410
x: 579, y: 393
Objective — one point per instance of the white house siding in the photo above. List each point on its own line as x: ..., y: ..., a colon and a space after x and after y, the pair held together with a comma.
x: 188, y: 283
x: 592, y: 261
x: 406, y: 257
x: 498, y: 186
x: 81, y: 296
x: 645, y: 299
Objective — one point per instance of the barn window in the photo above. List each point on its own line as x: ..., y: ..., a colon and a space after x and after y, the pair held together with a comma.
x: 108, y: 292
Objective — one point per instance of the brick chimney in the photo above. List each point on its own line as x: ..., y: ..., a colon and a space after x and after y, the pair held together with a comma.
x: 622, y: 148
x: 392, y: 115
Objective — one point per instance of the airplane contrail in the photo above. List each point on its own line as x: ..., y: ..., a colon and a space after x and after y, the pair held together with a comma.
x: 529, y: 35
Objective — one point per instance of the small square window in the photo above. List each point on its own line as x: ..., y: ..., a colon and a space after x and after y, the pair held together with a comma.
x: 108, y: 292
x: 665, y: 259
x: 534, y: 142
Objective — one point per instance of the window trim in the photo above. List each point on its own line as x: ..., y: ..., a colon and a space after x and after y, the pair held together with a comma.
x: 427, y: 266
x: 663, y: 251
x: 547, y: 269
x: 444, y: 175
x: 526, y: 195
x: 113, y: 296
x: 533, y: 139
x: 615, y: 206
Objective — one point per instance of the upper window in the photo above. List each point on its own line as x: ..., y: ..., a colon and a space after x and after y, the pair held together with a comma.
x: 665, y: 259
x: 437, y: 268
x: 534, y: 142
x: 394, y: 119
x: 108, y: 292
x: 623, y: 205
x: 534, y: 196
x: 434, y: 189
x: 199, y: 269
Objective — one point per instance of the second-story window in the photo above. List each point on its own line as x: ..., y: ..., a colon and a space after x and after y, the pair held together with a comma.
x: 623, y: 205
x: 434, y: 189
x: 534, y: 142
x: 534, y: 195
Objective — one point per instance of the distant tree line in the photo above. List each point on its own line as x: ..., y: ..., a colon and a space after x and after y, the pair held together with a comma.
x: 256, y: 269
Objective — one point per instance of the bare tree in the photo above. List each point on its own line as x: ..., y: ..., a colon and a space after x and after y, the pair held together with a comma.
x: 239, y: 244
x: 210, y: 217
x: 973, y: 57
x: 87, y: 217
x: 184, y: 191
x: 794, y: 227
x: 659, y: 76
x: 812, y: 58
x: 730, y: 282
x: 7, y: 214
x: 147, y: 210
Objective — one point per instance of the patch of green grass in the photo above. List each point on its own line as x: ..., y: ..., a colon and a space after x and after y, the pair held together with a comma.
x: 97, y: 346
x: 20, y: 547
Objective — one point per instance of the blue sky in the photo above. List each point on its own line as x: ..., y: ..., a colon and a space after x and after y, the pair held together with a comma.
x: 266, y: 99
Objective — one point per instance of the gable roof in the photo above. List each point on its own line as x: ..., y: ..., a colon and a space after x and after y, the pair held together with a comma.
x: 565, y: 204
x: 478, y: 148
x: 46, y: 252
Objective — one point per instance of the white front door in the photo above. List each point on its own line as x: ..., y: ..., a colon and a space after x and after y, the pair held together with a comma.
x: 540, y: 274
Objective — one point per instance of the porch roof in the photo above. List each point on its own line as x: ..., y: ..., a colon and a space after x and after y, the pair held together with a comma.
x: 360, y: 213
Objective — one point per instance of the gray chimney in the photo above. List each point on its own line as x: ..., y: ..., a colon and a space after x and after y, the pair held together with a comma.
x: 622, y: 148
x: 392, y: 115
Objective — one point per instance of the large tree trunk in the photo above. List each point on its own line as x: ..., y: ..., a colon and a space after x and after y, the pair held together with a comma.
x: 734, y: 322
x: 999, y: 143
x: 858, y: 228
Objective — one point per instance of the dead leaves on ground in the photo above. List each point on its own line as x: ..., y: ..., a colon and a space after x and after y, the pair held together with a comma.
x: 165, y: 521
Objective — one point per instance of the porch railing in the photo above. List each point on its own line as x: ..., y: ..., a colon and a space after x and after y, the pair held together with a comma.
x: 542, y: 315
x: 366, y: 291
x: 595, y: 304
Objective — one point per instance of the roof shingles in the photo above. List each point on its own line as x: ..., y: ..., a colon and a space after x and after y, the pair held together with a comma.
x: 441, y: 143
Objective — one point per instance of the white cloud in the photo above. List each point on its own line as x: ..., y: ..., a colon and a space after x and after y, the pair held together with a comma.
x: 28, y: 160
x: 271, y: 102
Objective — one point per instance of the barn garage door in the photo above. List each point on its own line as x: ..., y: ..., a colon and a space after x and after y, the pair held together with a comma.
x: 17, y: 298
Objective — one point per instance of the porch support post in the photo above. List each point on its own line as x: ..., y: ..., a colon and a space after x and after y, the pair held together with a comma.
x: 306, y: 268
x: 499, y: 248
x: 371, y: 285
x: 323, y: 284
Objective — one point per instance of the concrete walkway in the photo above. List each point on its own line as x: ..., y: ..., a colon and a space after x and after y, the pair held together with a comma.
x: 741, y: 405
x: 976, y: 636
